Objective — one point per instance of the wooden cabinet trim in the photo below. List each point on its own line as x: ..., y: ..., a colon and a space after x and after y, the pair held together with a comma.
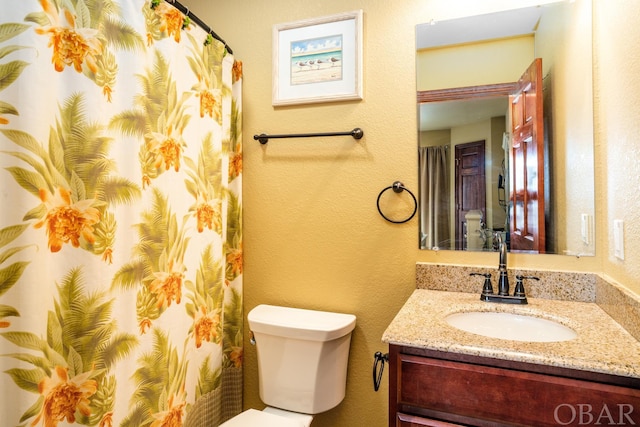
x: 522, y: 366
x: 475, y: 391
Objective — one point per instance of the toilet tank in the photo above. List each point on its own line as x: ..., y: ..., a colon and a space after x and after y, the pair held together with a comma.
x: 302, y: 356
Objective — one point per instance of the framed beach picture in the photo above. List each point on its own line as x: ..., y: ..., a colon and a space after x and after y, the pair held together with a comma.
x: 318, y: 60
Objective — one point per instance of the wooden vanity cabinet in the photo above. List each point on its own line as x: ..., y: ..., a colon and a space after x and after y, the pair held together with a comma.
x: 438, y: 389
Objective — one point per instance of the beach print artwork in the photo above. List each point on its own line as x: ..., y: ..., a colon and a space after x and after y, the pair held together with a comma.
x: 316, y: 60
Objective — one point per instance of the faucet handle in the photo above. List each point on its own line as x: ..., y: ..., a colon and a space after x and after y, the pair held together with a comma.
x: 519, y: 289
x: 487, y: 289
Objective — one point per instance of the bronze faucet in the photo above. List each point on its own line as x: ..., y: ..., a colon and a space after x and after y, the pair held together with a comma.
x: 503, y: 279
x: 519, y: 296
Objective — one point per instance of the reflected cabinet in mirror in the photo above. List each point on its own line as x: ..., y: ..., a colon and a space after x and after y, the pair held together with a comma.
x: 505, y: 106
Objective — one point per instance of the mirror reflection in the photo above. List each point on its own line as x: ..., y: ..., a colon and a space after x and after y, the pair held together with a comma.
x: 506, y: 131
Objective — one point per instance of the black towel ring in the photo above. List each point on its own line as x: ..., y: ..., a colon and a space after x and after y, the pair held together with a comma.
x: 398, y: 187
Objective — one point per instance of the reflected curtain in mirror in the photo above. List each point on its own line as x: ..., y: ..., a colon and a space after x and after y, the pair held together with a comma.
x: 434, y: 190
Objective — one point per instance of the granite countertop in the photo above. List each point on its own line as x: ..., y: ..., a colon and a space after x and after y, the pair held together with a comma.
x: 602, y: 345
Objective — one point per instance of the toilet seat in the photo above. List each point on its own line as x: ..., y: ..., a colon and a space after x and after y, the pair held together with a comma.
x: 255, y: 418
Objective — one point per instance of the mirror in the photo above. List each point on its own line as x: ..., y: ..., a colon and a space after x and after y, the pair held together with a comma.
x: 475, y: 152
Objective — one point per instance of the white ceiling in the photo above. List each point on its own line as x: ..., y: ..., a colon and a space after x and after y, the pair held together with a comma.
x: 508, y: 23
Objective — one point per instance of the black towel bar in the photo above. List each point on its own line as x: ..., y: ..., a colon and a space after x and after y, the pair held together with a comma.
x: 356, y: 133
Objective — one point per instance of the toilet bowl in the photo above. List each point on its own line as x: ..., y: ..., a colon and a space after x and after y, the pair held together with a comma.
x: 302, y: 364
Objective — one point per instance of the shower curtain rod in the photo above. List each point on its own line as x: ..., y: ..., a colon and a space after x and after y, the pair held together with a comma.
x: 200, y: 23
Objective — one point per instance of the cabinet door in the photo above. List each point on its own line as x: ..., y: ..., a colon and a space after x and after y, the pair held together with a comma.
x: 483, y: 395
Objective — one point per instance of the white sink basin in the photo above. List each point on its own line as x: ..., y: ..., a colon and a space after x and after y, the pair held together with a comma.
x: 510, y: 326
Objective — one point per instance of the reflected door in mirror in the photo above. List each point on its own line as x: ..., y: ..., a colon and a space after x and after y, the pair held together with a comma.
x: 470, y: 188
x: 527, y: 231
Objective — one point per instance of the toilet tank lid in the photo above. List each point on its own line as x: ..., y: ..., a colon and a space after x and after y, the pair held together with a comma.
x: 300, y: 323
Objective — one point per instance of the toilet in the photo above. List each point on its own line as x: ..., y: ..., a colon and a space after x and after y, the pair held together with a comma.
x: 302, y: 364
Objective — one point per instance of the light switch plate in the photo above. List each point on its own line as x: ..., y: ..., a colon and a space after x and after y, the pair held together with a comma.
x: 618, y: 238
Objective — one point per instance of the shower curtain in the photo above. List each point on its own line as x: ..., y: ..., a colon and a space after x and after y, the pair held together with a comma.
x: 120, y: 223
x: 434, y: 197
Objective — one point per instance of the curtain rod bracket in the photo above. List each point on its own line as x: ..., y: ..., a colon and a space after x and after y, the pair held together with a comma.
x: 184, y: 9
x: 356, y: 133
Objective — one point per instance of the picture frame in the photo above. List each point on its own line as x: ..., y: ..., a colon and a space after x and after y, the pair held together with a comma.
x: 318, y: 60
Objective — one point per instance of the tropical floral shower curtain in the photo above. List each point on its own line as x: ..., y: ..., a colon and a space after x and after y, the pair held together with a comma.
x: 120, y: 218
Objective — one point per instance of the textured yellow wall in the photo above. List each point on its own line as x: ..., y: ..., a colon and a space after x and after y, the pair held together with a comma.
x: 313, y: 236
x: 617, y: 108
